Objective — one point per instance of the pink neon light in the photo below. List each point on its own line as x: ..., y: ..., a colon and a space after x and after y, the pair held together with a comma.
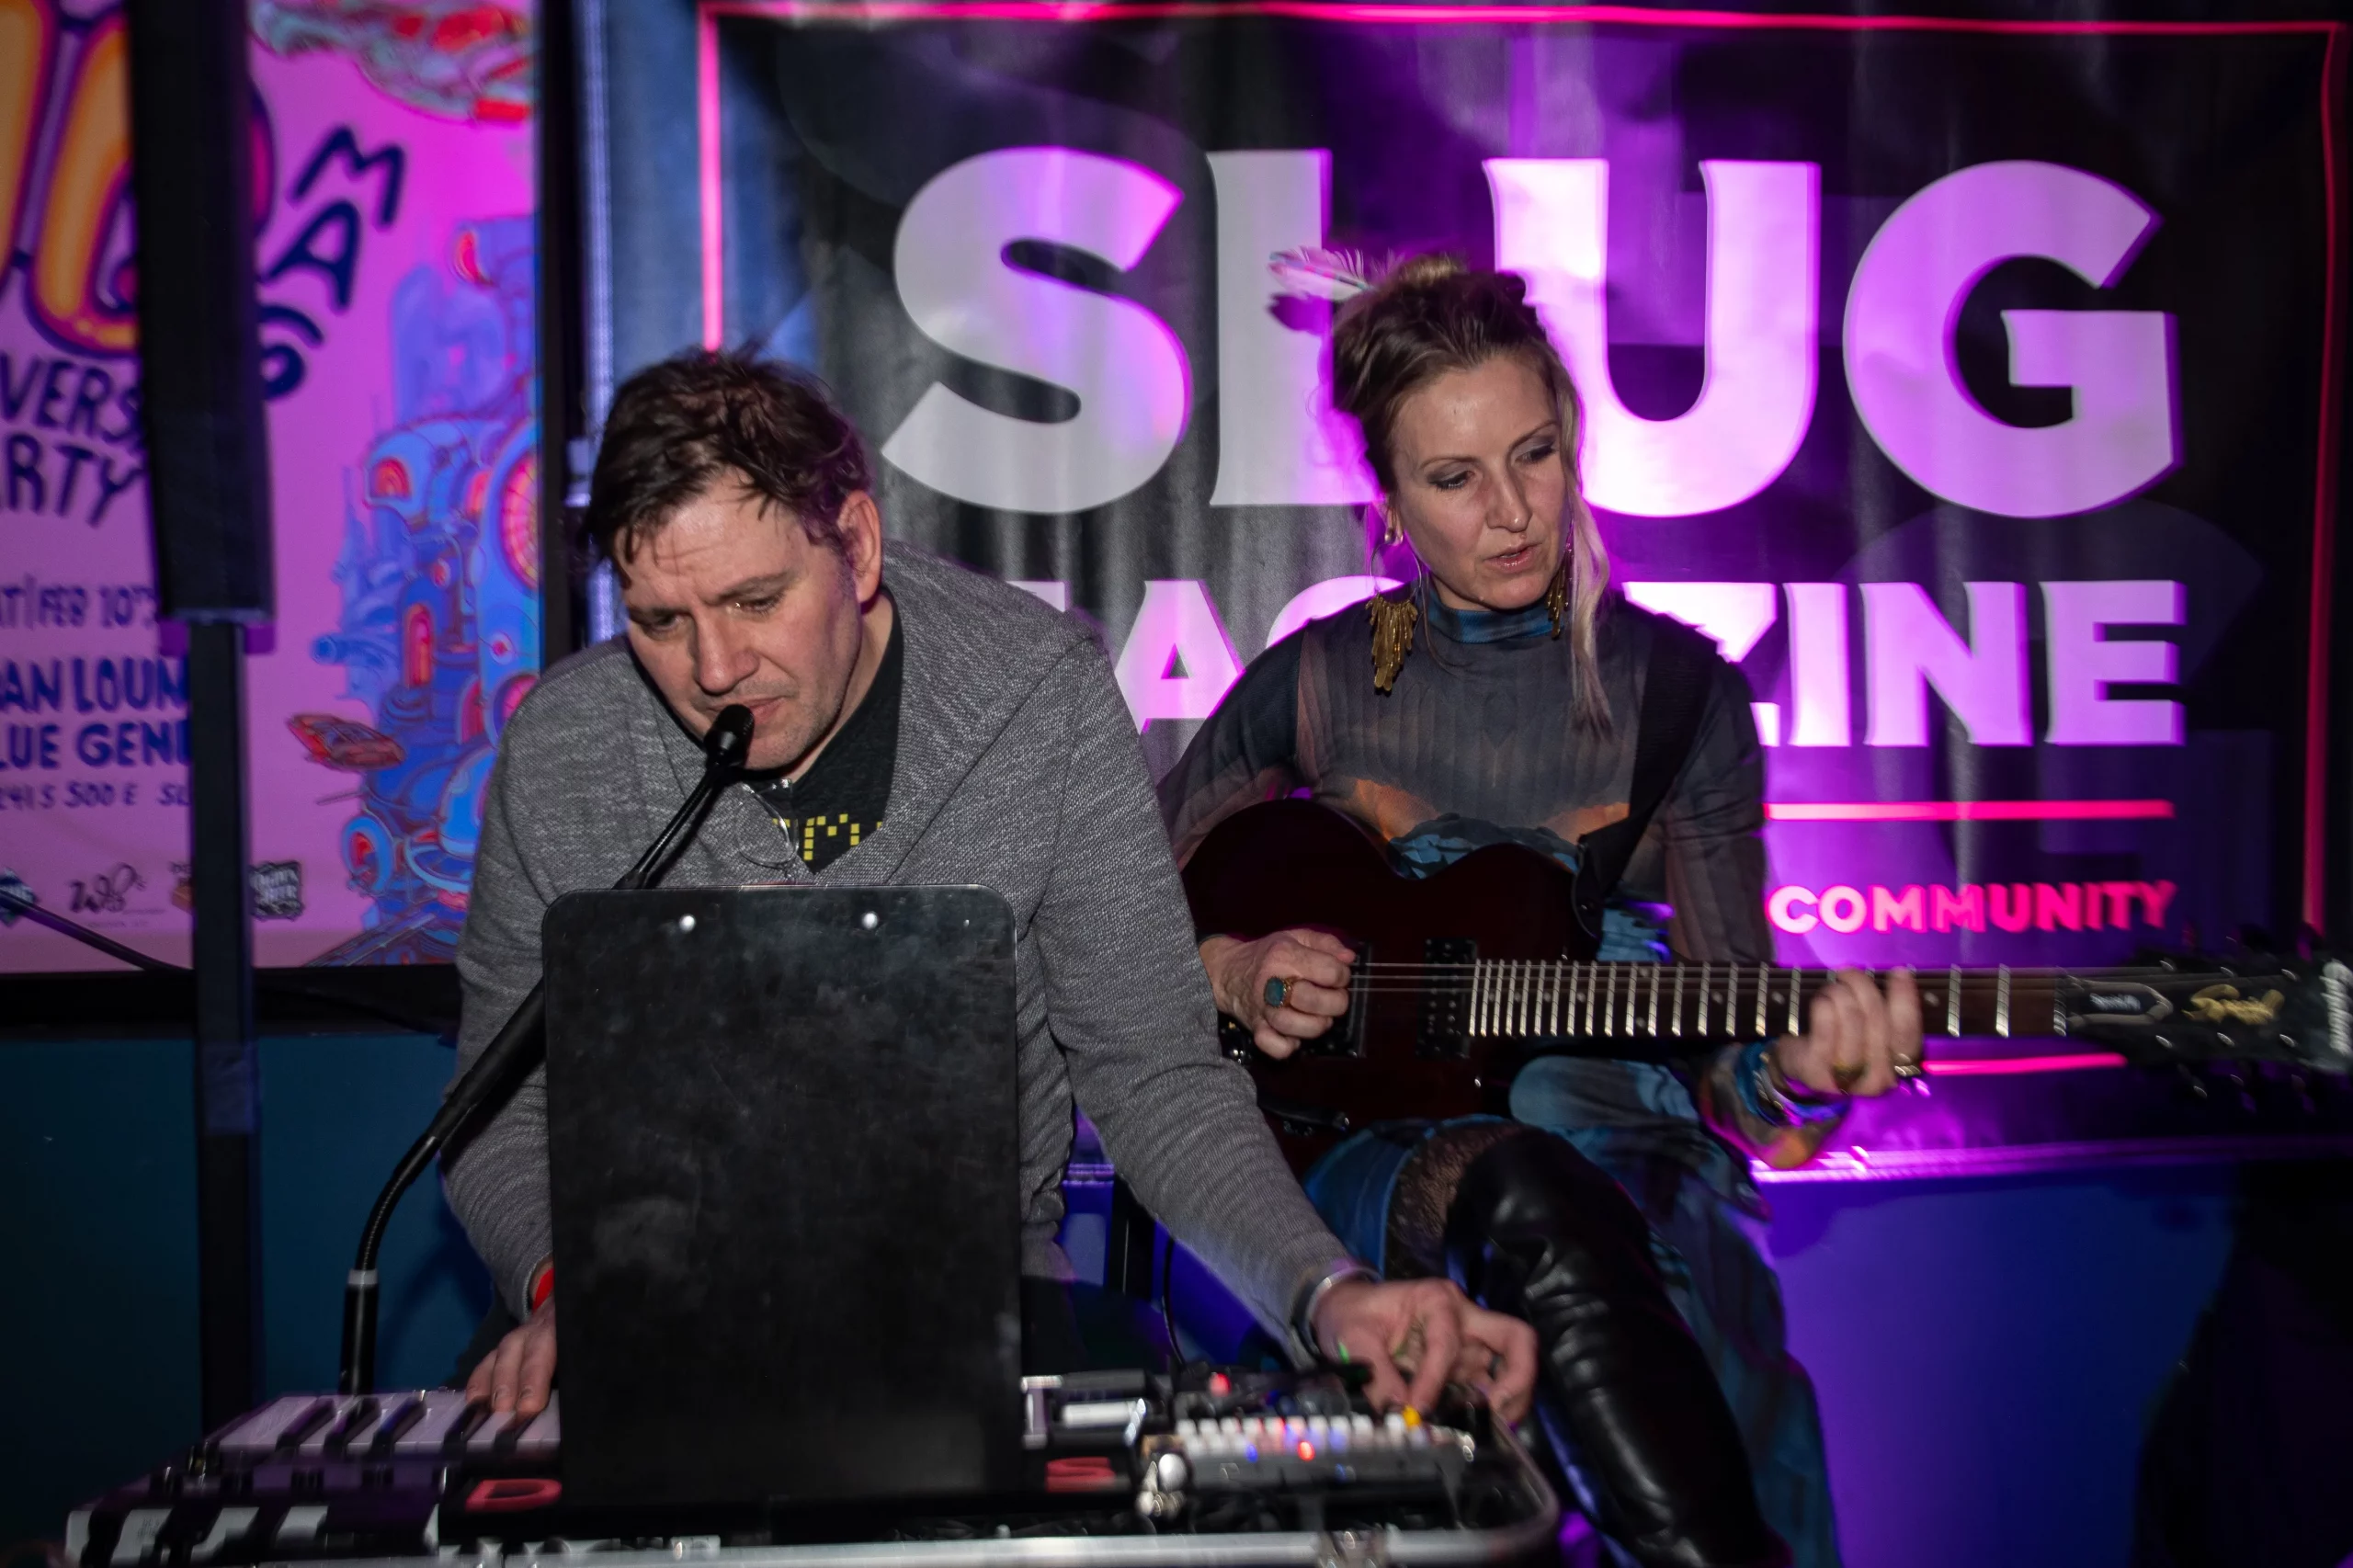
x: 1996, y: 1066
x: 714, y: 294
x: 2316, y: 819
x: 1082, y: 11
x: 1968, y: 811
x: 2323, y: 512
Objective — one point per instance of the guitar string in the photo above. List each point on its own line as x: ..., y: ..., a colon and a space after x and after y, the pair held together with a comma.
x: 1986, y: 973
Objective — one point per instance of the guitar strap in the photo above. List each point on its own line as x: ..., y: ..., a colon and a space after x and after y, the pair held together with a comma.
x: 1674, y: 695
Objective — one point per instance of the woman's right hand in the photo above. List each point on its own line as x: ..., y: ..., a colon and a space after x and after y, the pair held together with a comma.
x: 1316, y: 966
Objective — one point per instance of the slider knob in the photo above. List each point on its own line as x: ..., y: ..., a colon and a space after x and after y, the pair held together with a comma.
x: 1172, y: 1471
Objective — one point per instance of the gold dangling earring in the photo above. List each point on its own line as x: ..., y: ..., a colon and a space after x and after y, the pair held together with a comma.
x: 1556, y: 598
x: 1392, y: 637
x: 1392, y: 619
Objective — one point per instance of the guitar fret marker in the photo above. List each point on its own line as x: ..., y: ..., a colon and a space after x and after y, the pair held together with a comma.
x: 1655, y: 978
x: 1609, y: 1008
x: 1952, y: 1002
x: 1679, y: 1001
x: 1763, y: 971
x: 1704, y: 968
x: 2002, y: 1002
x: 1797, y: 984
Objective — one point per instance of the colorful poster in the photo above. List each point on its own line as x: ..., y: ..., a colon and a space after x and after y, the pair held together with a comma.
x: 1971, y: 383
x: 393, y: 248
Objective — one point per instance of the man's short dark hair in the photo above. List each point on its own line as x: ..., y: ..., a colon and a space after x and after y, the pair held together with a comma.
x: 702, y: 419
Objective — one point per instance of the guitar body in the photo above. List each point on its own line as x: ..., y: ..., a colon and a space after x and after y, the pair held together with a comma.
x: 1289, y: 863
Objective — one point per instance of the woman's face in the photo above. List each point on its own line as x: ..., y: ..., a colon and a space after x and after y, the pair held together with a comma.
x: 1482, y: 487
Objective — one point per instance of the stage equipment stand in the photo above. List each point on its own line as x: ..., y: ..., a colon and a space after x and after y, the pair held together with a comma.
x: 207, y: 486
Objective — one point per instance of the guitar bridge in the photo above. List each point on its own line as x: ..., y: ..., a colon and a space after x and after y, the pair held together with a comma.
x: 1444, y: 1029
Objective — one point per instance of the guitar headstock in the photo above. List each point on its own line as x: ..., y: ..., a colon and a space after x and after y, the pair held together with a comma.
x: 2297, y: 1011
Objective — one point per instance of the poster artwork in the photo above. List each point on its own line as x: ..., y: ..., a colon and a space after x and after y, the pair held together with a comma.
x: 394, y: 254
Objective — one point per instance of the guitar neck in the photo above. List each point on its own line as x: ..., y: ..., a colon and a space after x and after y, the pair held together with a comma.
x: 1689, y: 1007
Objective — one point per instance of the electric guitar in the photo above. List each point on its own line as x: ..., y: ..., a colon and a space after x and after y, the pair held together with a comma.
x: 1463, y: 976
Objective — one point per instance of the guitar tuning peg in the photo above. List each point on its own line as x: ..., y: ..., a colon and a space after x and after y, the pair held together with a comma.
x: 2191, y: 1084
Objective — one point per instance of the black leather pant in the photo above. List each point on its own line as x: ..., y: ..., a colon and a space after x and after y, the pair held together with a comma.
x: 1627, y: 1401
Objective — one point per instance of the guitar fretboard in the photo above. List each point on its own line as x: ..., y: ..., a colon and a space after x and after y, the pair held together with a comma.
x: 1702, y: 1003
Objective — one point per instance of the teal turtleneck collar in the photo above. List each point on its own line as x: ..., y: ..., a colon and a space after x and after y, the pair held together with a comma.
x: 1487, y: 625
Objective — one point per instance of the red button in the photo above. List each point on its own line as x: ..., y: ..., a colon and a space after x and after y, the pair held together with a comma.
x: 513, y: 1494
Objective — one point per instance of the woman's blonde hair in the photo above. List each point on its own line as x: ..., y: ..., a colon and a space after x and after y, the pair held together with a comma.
x: 1429, y: 315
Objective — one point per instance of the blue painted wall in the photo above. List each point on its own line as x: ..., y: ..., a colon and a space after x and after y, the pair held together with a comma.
x: 97, y: 1242
x: 1986, y: 1352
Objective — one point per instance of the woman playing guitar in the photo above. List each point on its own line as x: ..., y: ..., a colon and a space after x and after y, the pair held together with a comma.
x: 1496, y: 699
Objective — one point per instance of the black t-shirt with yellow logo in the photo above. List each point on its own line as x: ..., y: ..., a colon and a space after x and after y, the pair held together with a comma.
x: 841, y: 799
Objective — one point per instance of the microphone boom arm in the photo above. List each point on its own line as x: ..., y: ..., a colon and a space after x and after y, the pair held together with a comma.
x: 510, y: 1054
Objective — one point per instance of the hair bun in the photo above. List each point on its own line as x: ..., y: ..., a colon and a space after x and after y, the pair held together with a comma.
x: 1397, y: 281
x: 1421, y: 271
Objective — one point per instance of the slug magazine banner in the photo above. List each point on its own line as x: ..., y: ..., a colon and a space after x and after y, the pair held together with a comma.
x: 1966, y: 381
x: 393, y: 244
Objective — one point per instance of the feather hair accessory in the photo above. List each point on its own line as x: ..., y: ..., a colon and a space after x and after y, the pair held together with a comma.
x: 1319, y: 274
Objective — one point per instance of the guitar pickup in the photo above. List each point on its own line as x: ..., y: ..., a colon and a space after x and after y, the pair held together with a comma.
x: 1443, y: 1031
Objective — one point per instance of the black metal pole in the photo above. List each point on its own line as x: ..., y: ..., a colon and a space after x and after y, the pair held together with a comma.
x: 228, y: 1083
x: 207, y: 486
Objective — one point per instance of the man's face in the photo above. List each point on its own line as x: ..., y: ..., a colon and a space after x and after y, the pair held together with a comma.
x: 730, y: 602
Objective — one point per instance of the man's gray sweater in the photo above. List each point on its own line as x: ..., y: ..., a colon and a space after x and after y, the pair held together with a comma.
x: 1019, y: 771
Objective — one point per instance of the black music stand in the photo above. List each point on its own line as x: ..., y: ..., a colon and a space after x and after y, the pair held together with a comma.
x: 783, y: 1150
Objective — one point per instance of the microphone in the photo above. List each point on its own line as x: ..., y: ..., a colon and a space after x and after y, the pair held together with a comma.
x: 513, y: 1052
